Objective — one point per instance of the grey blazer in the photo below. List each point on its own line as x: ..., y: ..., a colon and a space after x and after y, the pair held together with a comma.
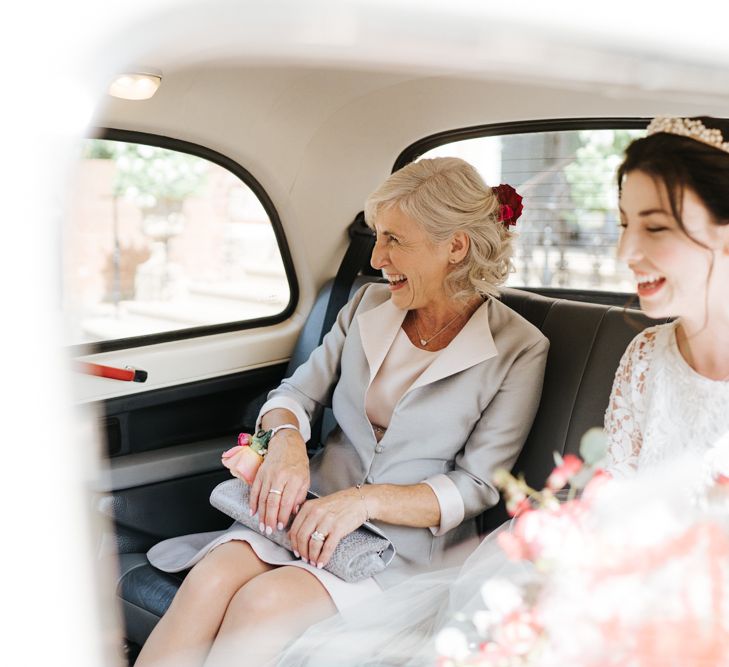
x: 465, y: 416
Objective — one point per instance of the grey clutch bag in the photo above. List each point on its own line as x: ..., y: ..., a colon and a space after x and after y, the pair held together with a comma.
x: 359, y: 555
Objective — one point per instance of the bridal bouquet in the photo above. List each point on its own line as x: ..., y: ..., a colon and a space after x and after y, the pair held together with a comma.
x: 625, y: 572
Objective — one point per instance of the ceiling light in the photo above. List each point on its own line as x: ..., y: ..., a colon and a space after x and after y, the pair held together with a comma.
x: 135, y: 86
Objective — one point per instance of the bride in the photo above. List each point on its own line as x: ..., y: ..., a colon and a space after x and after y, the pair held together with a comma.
x: 670, y: 394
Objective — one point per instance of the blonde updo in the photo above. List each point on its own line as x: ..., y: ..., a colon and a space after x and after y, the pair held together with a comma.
x: 447, y: 195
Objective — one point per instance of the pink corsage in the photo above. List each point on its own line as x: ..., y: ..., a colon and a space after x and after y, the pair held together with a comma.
x: 246, y: 457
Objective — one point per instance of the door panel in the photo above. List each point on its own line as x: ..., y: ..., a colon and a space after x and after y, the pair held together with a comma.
x: 164, y: 451
x: 145, y: 515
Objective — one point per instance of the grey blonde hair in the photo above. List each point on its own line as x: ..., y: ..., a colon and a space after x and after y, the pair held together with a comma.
x: 447, y: 195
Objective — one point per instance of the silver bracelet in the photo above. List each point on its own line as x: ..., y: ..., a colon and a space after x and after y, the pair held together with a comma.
x: 276, y: 429
x: 364, y: 502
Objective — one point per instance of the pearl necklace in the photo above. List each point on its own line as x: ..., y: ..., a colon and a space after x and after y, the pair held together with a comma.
x: 424, y: 341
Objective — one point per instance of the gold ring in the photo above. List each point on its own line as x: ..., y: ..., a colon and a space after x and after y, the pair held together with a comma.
x: 276, y: 491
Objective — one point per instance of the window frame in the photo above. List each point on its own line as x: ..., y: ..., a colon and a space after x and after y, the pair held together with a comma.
x: 421, y: 146
x: 197, y: 150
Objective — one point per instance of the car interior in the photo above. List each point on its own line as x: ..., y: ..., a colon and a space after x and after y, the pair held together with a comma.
x: 309, y: 140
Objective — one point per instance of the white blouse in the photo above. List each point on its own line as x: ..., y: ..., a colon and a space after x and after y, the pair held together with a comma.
x: 403, y: 364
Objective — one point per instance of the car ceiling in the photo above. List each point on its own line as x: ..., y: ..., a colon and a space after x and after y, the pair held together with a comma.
x: 318, y: 103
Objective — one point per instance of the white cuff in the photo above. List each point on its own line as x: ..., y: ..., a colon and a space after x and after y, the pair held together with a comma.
x: 452, y: 509
x: 288, y: 404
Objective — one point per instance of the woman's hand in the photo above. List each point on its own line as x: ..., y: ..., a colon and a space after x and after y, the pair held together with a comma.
x: 331, y: 517
x: 282, y: 481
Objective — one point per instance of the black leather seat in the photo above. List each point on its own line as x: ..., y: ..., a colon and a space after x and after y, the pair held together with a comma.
x: 586, y: 343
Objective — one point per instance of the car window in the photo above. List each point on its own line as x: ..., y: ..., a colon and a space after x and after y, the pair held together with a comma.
x: 567, y: 235
x: 161, y: 240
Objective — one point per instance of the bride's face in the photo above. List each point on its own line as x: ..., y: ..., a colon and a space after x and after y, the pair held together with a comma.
x: 672, y: 270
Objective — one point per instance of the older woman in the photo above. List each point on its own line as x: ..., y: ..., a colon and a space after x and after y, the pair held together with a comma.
x: 434, y: 384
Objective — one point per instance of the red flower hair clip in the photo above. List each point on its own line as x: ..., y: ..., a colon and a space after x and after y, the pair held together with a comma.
x: 510, y: 204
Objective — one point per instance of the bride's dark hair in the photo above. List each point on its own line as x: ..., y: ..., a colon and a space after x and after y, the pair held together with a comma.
x: 681, y: 163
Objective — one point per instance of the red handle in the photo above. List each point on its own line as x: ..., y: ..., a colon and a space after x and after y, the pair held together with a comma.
x: 126, y: 374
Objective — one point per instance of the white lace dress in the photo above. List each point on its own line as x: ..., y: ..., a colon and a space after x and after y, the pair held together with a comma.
x: 660, y: 408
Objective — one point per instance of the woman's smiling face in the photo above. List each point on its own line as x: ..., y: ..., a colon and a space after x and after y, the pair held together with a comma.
x: 673, y: 272
x: 414, y: 265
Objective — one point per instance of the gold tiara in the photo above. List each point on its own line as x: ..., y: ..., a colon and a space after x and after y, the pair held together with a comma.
x: 688, y: 127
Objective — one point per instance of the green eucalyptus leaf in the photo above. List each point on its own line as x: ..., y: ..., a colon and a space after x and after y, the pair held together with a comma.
x: 593, y: 446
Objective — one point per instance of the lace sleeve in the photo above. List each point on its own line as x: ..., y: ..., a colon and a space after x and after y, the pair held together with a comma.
x: 624, y: 416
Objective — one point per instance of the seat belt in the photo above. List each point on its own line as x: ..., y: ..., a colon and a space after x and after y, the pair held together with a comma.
x: 362, y: 241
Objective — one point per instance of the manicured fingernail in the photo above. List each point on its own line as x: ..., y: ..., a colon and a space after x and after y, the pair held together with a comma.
x: 296, y: 509
x: 250, y: 512
x: 279, y: 526
x: 269, y: 530
x: 261, y: 527
x: 312, y: 563
x: 297, y: 554
x: 320, y: 565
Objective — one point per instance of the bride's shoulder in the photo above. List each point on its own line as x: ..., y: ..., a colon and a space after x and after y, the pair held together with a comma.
x: 638, y: 361
x: 650, y: 338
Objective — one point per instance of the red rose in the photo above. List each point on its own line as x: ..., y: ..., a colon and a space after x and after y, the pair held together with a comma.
x: 511, y: 204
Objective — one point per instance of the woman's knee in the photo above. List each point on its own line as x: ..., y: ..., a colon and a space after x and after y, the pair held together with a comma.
x: 222, y: 572
x: 259, y: 598
x: 282, y: 594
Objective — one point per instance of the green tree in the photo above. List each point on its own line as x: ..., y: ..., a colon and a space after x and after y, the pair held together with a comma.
x: 157, y: 178
x: 591, y: 174
x: 99, y: 149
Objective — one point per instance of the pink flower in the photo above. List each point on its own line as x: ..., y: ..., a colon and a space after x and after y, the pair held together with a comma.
x: 242, y: 460
x: 245, y: 465
x: 595, y: 485
x: 231, y: 452
x: 512, y: 546
x: 531, y: 530
x: 569, y: 467
x: 721, y: 480
x: 494, y: 654
x: 517, y: 505
x: 519, y: 632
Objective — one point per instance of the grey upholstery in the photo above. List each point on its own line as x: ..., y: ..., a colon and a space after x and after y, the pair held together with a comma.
x: 587, y: 341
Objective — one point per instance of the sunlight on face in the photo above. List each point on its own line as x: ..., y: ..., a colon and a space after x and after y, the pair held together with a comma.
x: 671, y: 268
x: 414, y: 266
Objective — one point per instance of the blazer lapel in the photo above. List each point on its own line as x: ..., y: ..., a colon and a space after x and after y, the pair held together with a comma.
x: 473, y: 344
x: 378, y: 328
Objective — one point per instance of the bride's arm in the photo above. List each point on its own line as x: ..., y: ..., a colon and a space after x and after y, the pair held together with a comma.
x: 624, y: 416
